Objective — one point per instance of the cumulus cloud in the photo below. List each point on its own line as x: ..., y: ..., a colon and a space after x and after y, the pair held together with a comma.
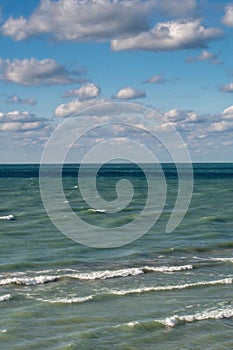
x: 81, y: 20
x: 228, y: 17
x: 228, y: 113
x: 30, y: 71
x: 173, y: 35
x: 186, y: 116
x: 176, y: 7
x: 84, y: 20
x: 101, y: 108
x: 199, y: 132
x: 155, y: 79
x: 204, y: 56
x: 222, y: 126
x: 86, y: 91
x: 175, y: 115
x: 227, y: 88
x: 21, y: 126
x: 19, y: 100
x: 67, y: 109
x: 129, y: 93
x: 20, y: 121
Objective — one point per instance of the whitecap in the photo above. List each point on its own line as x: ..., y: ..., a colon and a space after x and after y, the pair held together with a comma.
x: 167, y: 268
x: 107, y: 274
x: 28, y: 281
x: 171, y: 287
x: 172, y: 321
x: 7, y: 217
x: 222, y: 259
x: 132, y: 271
x: 71, y: 300
x: 199, y: 316
x: 91, y: 210
x: 43, y: 276
x: 5, y: 297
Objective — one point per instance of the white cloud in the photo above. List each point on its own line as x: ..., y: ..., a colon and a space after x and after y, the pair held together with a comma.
x: 173, y: 35
x: 67, y: 109
x: 21, y: 126
x: 101, y: 108
x: 84, y: 20
x: 86, y: 91
x: 204, y: 56
x: 20, y: 121
x: 34, y: 72
x: 19, y: 100
x: 227, y: 88
x: 174, y: 115
x: 228, y: 113
x: 222, y: 126
x: 81, y: 20
x: 157, y: 79
x: 192, y: 117
x: 129, y: 93
x: 176, y: 7
x: 186, y: 116
x: 228, y: 17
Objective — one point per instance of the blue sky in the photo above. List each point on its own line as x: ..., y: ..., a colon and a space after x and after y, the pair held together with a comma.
x: 58, y: 57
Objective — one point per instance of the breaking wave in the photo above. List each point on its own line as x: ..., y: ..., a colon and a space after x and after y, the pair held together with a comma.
x: 199, y: 316
x: 7, y: 217
x: 70, y: 300
x: 171, y: 287
x: 173, y: 321
x: 5, y: 297
x: 28, y: 281
x: 88, y: 276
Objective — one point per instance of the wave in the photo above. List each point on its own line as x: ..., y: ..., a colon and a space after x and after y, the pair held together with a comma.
x: 222, y: 259
x: 22, y: 279
x: 7, y: 217
x: 28, y: 281
x: 167, y: 268
x: 5, y: 297
x: 175, y: 320
x: 214, y: 218
x: 140, y: 291
x: 133, y: 271
x: 71, y: 300
x: 210, y: 260
x: 199, y: 316
x: 91, y: 210
x: 171, y: 287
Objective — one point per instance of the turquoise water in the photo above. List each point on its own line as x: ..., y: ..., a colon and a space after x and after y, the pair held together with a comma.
x: 162, y: 291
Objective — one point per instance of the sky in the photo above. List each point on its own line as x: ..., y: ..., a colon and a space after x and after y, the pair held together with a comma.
x: 59, y: 57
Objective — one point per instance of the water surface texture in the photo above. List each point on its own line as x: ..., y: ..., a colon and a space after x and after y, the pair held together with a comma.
x: 162, y: 291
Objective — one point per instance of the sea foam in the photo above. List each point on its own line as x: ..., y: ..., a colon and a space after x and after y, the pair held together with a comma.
x: 71, y: 300
x: 21, y: 278
x: 7, y: 217
x: 199, y: 316
x: 5, y: 297
x: 28, y: 281
x: 107, y: 274
x: 133, y: 271
x: 175, y: 320
x: 171, y: 287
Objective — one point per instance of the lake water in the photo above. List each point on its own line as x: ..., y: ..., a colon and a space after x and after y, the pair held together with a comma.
x: 162, y: 291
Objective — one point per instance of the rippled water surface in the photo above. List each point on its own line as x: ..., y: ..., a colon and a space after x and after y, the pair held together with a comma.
x: 162, y: 291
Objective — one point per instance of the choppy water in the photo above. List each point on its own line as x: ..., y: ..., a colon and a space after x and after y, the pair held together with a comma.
x: 163, y: 291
